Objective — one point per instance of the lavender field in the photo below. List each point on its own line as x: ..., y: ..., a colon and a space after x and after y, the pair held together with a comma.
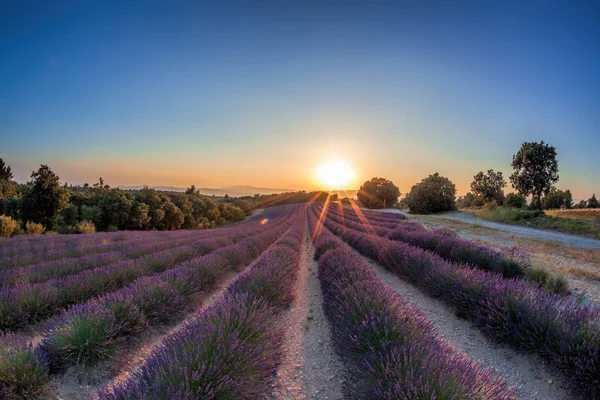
x: 303, y: 301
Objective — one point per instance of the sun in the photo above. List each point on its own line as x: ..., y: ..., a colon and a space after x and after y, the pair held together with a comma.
x: 335, y: 174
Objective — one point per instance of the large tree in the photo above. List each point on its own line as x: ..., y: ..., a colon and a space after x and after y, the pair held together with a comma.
x: 489, y: 186
x: 435, y: 193
x: 535, y: 170
x: 378, y: 193
x: 45, y: 198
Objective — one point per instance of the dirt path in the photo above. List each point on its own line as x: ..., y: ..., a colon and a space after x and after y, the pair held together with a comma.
x: 563, y: 238
x: 528, y: 374
x: 310, y: 368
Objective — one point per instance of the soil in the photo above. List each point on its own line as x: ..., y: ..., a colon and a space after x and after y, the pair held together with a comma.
x: 310, y: 368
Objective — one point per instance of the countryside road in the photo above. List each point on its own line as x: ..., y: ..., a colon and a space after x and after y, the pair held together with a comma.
x: 564, y: 238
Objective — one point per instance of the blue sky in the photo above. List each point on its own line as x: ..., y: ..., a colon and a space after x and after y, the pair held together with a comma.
x: 261, y: 93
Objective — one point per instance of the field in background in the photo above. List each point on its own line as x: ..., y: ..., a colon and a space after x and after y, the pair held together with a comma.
x: 588, y: 214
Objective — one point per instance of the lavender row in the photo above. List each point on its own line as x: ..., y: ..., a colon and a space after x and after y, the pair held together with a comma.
x: 390, y: 349
x: 47, y: 270
x: 518, y: 312
x: 19, y: 251
x: 90, y: 332
x: 69, y: 246
x: 59, y: 268
x: 23, y: 250
x: 379, y: 219
x: 232, y: 349
x: 149, y: 301
x: 509, y: 263
x: 26, y: 304
x: 29, y: 257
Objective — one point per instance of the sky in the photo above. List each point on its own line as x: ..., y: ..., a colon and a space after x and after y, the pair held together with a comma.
x: 264, y: 92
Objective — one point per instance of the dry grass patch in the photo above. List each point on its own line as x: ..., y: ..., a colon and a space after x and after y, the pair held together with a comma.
x: 588, y: 214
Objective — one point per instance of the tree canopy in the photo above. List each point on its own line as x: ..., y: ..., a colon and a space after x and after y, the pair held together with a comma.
x: 45, y: 198
x: 433, y: 194
x: 489, y: 186
x: 378, y: 193
x: 535, y: 170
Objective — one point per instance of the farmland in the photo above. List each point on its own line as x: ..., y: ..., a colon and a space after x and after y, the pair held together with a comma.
x: 309, y: 300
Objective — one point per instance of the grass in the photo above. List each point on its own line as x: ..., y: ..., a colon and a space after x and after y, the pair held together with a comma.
x: 539, y: 220
x: 585, y: 214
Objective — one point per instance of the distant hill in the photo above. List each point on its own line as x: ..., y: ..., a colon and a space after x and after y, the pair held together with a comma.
x: 233, y: 191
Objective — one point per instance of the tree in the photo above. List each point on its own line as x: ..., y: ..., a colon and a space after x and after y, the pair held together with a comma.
x: 516, y: 200
x: 434, y: 194
x: 535, y: 170
x: 557, y: 199
x: 5, y: 172
x: 581, y: 204
x: 45, y: 198
x: 378, y: 193
x: 593, y: 202
x: 191, y: 190
x: 489, y: 186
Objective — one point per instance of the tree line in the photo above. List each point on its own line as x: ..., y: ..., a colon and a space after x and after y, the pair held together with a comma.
x: 535, y: 174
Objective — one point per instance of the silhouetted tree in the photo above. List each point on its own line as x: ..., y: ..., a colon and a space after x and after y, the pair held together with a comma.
x: 5, y: 172
x: 45, y: 198
x: 378, y: 193
x: 433, y: 194
x: 593, y: 202
x: 489, y: 186
x: 535, y: 170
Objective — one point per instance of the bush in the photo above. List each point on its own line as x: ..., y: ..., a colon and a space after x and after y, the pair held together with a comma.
x: 22, y: 374
x: 33, y: 228
x: 7, y: 226
x: 516, y: 200
x: 83, y: 227
x: 434, y: 194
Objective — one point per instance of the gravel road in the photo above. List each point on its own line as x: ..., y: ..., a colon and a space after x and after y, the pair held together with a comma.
x: 564, y: 238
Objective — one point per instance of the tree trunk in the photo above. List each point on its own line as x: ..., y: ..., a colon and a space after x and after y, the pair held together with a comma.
x: 539, y: 204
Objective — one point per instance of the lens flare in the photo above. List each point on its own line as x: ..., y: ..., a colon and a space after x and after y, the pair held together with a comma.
x: 336, y: 174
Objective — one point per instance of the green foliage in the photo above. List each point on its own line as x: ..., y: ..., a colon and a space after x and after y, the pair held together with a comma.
x: 7, y: 226
x: 489, y: 186
x: 535, y: 170
x: 433, y: 194
x: 82, y: 227
x: 581, y: 204
x: 45, y: 198
x: 5, y: 172
x: 33, y: 228
x: 22, y: 374
x: 516, y: 200
x: 593, y: 202
x: 378, y: 193
x: 557, y: 199
x: 466, y: 201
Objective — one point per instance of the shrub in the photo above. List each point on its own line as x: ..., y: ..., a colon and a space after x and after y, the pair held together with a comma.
x: 7, y: 226
x: 22, y: 374
x: 516, y: 200
x: 83, y: 227
x: 33, y: 228
x: 434, y: 194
